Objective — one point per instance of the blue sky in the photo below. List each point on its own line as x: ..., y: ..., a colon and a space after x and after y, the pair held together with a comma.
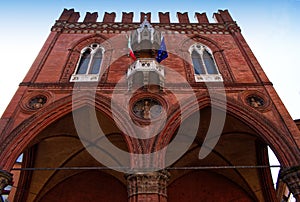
x: 271, y: 28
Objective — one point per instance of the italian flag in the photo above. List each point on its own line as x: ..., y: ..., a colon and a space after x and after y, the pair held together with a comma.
x: 131, y: 53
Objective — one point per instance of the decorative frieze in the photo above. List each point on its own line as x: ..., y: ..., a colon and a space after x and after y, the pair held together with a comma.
x: 93, y: 27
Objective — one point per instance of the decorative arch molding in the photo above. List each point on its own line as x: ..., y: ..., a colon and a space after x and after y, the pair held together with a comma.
x: 23, y: 134
x: 218, y: 54
x: 95, y: 38
x: 286, y: 148
x: 17, y: 140
x: 213, y: 46
x: 74, y: 55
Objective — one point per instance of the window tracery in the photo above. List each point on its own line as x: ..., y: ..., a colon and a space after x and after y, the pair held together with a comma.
x: 205, y: 68
x: 89, y: 64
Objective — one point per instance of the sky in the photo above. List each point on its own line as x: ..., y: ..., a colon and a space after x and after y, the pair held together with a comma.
x: 271, y: 29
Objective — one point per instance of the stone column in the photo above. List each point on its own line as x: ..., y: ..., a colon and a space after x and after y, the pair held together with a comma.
x: 5, y: 179
x: 291, y: 176
x: 151, y: 186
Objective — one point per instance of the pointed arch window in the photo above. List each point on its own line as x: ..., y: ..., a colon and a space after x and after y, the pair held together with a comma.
x: 197, y: 63
x: 89, y: 64
x: 205, y: 68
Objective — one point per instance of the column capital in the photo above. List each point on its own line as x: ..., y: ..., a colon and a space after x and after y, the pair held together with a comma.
x: 5, y: 179
x: 291, y: 176
x: 148, y: 183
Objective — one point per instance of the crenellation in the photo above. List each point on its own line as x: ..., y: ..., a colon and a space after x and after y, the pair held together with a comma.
x: 183, y: 17
x: 91, y: 17
x: 143, y: 15
x: 74, y: 17
x: 65, y: 16
x: 109, y: 17
x: 201, y: 17
x: 127, y: 17
x: 225, y: 16
x: 217, y: 17
x: 221, y: 17
x: 164, y: 17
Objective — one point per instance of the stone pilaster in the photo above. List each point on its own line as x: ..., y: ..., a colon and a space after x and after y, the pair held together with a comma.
x: 5, y: 179
x: 150, y: 186
x: 291, y: 176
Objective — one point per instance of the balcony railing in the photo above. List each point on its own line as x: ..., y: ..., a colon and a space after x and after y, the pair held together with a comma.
x: 208, y: 77
x: 146, y: 65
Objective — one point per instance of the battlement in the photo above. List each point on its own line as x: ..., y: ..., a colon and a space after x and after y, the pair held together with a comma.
x: 68, y: 22
x: 71, y: 16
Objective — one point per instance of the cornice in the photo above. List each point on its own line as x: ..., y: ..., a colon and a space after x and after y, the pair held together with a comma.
x: 118, y: 27
x: 70, y: 85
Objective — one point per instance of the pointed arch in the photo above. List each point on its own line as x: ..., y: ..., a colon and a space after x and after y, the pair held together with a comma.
x: 96, y: 62
x: 84, y: 61
x: 197, y: 62
x: 89, y: 65
x: 209, y: 63
x: 24, y: 133
x: 203, y: 61
x: 77, y: 54
x: 286, y: 148
x: 216, y: 52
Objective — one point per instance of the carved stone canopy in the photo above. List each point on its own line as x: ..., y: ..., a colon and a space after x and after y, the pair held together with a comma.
x: 145, y: 38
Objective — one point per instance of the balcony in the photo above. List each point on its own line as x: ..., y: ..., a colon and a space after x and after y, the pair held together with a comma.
x: 144, y: 72
x: 145, y: 65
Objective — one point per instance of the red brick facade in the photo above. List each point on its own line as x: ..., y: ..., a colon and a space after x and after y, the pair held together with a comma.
x: 46, y: 134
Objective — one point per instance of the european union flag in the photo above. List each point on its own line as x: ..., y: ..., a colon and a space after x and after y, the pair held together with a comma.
x: 162, y: 52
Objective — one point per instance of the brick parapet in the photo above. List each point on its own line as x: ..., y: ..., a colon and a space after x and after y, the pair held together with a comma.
x: 68, y: 23
x: 222, y: 16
